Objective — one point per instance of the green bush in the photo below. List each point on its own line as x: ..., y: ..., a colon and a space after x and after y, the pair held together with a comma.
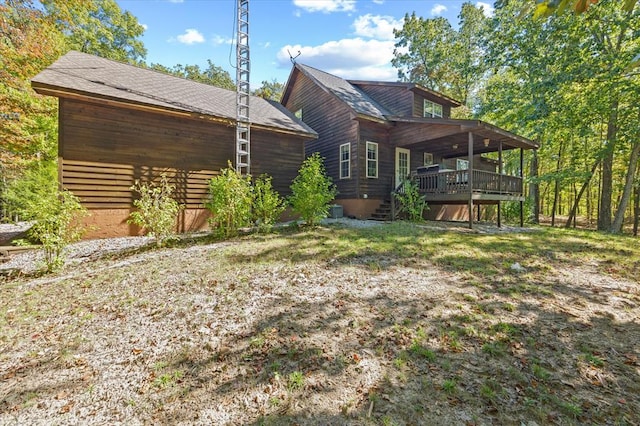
x: 411, y: 201
x: 57, y: 224
x: 229, y: 202
x: 312, y: 191
x: 39, y: 181
x: 267, y: 204
x: 157, y: 210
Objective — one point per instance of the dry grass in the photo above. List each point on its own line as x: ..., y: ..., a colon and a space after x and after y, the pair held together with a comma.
x: 395, y: 324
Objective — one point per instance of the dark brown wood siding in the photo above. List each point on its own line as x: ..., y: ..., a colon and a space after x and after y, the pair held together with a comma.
x: 335, y: 125
x: 380, y: 187
x: 104, y: 149
x: 397, y: 99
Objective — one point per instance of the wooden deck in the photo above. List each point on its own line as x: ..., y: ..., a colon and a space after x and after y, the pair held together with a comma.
x: 455, y: 185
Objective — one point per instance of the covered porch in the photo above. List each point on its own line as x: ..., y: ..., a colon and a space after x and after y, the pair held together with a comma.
x: 455, y: 139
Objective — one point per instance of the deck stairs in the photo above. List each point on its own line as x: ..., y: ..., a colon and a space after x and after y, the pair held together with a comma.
x: 383, y: 212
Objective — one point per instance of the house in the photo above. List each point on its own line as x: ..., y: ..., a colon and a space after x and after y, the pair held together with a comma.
x: 374, y: 134
x: 119, y: 123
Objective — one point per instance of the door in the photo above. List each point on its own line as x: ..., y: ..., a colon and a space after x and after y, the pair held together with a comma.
x: 402, y: 165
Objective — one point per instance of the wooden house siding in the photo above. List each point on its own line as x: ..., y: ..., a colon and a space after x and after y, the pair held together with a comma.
x: 380, y: 187
x: 397, y: 99
x: 104, y: 149
x: 335, y: 124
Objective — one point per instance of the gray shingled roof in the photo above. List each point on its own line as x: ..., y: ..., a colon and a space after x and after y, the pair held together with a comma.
x: 98, y: 77
x: 359, y: 101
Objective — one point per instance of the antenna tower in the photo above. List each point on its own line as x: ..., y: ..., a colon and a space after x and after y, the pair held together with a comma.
x: 243, y: 131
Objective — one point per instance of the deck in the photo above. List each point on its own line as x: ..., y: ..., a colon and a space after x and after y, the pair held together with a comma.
x: 455, y: 185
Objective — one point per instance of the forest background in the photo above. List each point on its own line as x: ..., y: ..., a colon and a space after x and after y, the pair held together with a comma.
x: 567, y: 79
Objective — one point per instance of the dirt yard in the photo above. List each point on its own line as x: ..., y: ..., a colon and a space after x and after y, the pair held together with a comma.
x: 364, y: 325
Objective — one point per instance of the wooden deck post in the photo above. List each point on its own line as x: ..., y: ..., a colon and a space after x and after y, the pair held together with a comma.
x: 500, y: 172
x: 470, y: 180
x: 521, y: 187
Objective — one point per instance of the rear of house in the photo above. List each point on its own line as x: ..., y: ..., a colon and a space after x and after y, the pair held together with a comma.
x: 373, y: 135
x: 120, y: 123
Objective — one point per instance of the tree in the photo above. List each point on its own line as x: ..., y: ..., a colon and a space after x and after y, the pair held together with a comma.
x: 270, y: 90
x: 213, y: 74
x: 98, y: 27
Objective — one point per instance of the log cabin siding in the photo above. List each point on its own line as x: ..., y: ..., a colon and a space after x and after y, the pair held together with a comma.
x: 334, y: 122
x: 104, y: 149
x: 380, y: 187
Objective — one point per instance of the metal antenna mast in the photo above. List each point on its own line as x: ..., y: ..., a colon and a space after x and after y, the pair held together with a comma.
x: 243, y: 133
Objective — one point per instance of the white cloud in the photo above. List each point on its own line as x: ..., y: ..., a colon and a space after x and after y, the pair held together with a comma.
x: 191, y: 36
x: 487, y: 8
x: 438, y: 10
x: 348, y: 58
x: 218, y: 40
x: 375, y: 26
x: 326, y: 6
x: 176, y: 1
x: 378, y: 1
x: 145, y: 26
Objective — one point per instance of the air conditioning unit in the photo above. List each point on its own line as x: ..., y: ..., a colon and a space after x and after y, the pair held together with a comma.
x: 335, y: 211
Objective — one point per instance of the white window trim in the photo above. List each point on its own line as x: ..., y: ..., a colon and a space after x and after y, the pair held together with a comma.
x: 424, y: 159
x: 433, y: 109
x: 367, y: 159
x: 348, y: 161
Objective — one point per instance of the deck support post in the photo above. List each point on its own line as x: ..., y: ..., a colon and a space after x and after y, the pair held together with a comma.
x: 522, y: 187
x: 499, y: 215
x: 500, y: 172
x: 470, y: 180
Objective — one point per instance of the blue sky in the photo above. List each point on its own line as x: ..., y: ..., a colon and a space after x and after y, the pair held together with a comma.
x: 349, y: 38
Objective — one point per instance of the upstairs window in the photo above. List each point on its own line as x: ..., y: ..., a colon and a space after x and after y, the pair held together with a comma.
x: 298, y: 114
x: 345, y: 161
x: 372, y: 160
x: 432, y: 109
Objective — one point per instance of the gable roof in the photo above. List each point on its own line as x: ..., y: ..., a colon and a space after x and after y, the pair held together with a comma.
x: 357, y: 100
x: 80, y: 74
x: 365, y: 106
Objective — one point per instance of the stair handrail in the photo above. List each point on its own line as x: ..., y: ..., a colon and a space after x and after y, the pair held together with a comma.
x: 394, y: 200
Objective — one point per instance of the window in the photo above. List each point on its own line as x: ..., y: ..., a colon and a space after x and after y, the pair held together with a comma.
x: 462, y: 164
x: 298, y: 113
x: 345, y: 161
x: 372, y: 160
x: 428, y: 159
x: 432, y: 109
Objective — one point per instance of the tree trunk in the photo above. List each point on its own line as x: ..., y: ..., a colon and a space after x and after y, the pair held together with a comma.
x: 636, y: 209
x: 606, y: 193
x: 618, y: 221
x: 584, y: 187
x: 556, y: 185
x: 534, y: 189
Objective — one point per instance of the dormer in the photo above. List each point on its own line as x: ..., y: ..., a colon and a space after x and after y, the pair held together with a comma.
x: 408, y: 99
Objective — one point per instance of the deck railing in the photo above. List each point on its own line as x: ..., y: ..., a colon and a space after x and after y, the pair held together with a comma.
x: 457, y: 181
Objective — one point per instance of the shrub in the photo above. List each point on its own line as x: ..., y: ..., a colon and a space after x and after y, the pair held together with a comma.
x: 157, y: 210
x: 39, y: 181
x: 56, y: 225
x: 229, y: 202
x: 411, y: 201
x: 312, y: 190
x: 267, y: 204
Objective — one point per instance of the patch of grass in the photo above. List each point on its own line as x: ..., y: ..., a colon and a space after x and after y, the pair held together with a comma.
x: 168, y: 379
x: 540, y: 372
x: 449, y: 386
x: 420, y: 351
x: 295, y: 381
x: 594, y: 360
x: 494, y: 348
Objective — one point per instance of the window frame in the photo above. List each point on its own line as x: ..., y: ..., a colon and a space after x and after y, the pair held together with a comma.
x: 375, y: 160
x: 460, y: 161
x: 341, y: 161
x: 424, y: 158
x: 432, y: 109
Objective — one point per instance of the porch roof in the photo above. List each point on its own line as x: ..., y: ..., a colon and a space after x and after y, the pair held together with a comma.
x: 448, y: 137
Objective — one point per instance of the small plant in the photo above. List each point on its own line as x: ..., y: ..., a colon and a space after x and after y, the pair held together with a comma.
x: 422, y: 352
x: 411, y: 201
x: 229, y: 202
x: 494, y: 348
x: 167, y: 379
x: 267, y: 204
x: 449, y: 386
x: 157, y: 210
x: 295, y: 381
x: 57, y: 224
x: 312, y: 190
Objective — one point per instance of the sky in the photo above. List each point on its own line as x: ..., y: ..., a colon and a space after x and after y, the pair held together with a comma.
x: 349, y: 38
